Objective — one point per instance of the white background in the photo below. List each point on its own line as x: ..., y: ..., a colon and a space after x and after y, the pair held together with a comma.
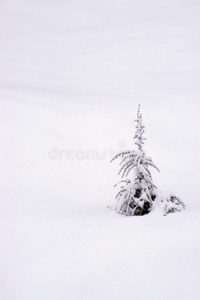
x: 72, y: 74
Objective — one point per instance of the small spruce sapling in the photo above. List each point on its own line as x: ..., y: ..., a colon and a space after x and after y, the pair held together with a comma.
x: 138, y: 194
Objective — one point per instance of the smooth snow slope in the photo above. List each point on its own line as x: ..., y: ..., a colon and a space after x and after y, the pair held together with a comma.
x: 72, y: 75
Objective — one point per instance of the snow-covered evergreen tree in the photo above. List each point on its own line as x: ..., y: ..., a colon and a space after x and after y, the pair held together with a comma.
x: 138, y: 192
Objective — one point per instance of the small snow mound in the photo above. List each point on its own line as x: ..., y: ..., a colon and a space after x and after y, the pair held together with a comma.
x: 168, y: 202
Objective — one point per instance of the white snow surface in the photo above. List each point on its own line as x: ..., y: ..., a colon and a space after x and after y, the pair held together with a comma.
x: 72, y: 76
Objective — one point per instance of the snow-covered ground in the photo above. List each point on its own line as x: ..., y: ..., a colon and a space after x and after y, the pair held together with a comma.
x: 72, y: 75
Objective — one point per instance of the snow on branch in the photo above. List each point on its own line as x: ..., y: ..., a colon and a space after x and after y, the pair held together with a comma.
x: 137, y: 194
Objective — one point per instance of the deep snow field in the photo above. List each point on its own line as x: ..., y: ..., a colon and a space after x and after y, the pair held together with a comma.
x: 72, y: 74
